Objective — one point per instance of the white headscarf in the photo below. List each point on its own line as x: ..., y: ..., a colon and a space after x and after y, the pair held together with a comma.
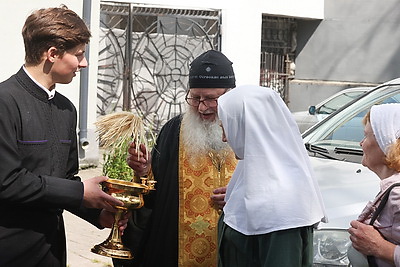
x: 385, y: 123
x: 273, y: 187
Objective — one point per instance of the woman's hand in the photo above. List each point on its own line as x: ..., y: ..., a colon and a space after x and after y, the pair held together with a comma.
x: 367, y: 240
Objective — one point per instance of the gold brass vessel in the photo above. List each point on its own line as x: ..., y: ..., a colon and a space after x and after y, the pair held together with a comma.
x: 131, y: 193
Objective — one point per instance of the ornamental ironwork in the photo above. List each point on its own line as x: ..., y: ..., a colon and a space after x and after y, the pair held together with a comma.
x: 144, y: 56
x: 278, y: 46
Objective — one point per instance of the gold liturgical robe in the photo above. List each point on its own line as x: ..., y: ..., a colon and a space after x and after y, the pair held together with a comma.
x: 198, y: 218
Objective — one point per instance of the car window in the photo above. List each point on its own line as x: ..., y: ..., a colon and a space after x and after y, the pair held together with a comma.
x: 350, y: 133
x: 338, y: 101
x: 346, y: 130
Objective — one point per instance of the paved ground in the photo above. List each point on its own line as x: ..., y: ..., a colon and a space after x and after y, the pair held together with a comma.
x: 82, y: 236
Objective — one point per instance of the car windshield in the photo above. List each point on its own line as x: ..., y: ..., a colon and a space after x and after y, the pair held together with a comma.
x: 342, y: 132
x: 338, y: 101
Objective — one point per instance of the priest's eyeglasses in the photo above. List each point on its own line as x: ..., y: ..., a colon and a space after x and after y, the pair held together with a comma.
x: 208, y: 102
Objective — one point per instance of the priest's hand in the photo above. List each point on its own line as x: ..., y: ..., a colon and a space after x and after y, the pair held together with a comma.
x: 139, y: 159
x: 218, y: 197
x: 94, y: 197
x: 107, y: 220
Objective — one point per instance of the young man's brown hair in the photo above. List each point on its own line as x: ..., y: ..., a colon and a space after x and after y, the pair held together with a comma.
x: 59, y: 27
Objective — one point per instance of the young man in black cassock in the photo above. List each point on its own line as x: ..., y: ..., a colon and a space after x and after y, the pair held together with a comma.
x: 38, y: 146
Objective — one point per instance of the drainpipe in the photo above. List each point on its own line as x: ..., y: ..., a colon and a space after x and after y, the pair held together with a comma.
x: 83, y: 93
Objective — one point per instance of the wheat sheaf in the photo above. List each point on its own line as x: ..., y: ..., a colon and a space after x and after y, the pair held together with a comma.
x: 117, y: 128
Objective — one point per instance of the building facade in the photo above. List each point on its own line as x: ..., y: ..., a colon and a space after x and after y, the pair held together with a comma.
x: 139, y: 52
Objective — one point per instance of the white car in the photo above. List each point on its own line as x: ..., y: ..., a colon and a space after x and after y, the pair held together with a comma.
x: 346, y: 185
x: 306, y: 119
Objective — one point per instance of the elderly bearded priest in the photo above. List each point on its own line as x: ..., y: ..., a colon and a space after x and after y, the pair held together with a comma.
x: 190, y: 190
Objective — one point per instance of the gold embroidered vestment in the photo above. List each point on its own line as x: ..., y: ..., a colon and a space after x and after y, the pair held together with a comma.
x: 198, y: 219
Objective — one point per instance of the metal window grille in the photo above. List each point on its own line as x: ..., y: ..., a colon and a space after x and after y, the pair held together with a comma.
x: 144, y: 57
x: 278, y: 45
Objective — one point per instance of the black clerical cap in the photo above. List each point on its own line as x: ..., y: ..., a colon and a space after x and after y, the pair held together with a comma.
x: 212, y: 69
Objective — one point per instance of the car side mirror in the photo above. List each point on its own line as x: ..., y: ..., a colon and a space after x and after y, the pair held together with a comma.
x: 311, y: 110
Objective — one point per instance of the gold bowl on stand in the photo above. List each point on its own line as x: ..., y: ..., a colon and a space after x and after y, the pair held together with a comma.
x: 131, y: 193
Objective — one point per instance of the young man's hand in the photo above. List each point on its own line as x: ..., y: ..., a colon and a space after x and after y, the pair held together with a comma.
x: 94, y: 197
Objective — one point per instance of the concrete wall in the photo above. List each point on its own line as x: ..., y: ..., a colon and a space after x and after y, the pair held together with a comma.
x: 355, y: 45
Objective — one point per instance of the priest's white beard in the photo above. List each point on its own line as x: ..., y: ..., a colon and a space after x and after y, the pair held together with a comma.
x: 199, y: 136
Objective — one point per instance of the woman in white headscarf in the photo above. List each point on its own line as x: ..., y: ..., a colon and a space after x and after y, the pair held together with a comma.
x: 272, y: 200
x: 381, y: 147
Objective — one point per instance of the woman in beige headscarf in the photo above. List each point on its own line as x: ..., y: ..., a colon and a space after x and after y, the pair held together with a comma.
x: 381, y: 147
